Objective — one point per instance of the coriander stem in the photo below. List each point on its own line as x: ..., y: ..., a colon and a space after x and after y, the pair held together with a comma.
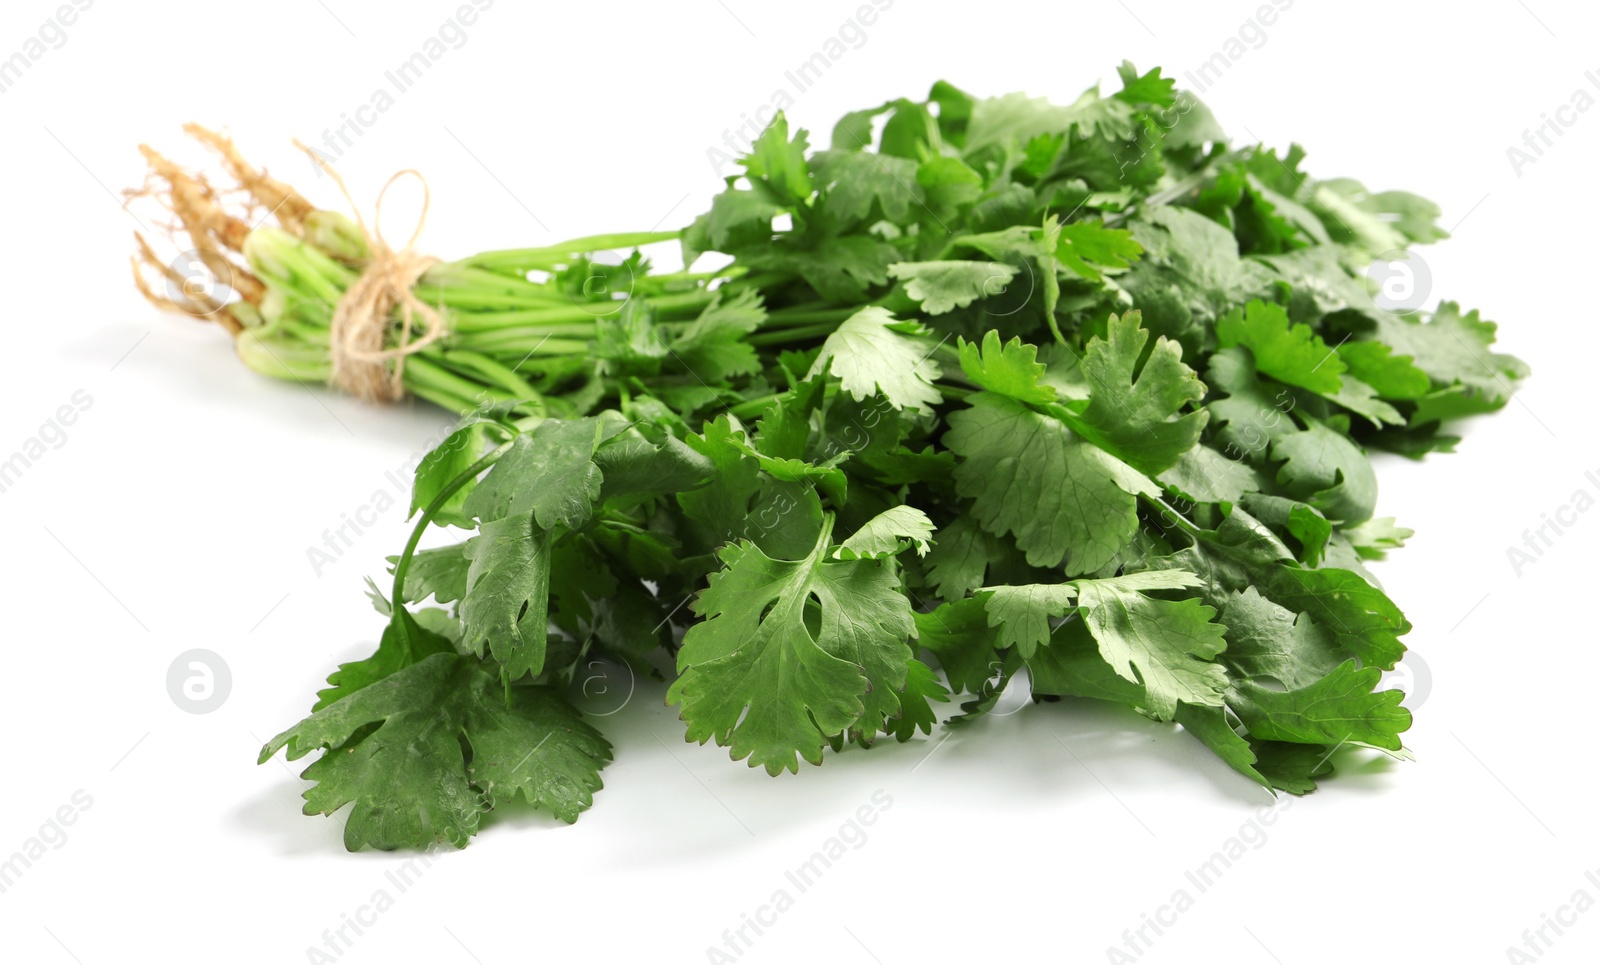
x: 754, y: 407
x: 801, y: 333
x: 403, y: 564
x: 787, y: 317
x: 1177, y: 519
x: 493, y: 372
x: 550, y: 257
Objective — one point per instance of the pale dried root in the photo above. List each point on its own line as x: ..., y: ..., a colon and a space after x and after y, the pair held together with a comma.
x: 210, y: 227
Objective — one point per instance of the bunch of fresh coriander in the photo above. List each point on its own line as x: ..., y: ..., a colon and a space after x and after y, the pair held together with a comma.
x: 994, y: 393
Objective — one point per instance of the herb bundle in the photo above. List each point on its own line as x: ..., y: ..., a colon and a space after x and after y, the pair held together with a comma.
x: 991, y: 393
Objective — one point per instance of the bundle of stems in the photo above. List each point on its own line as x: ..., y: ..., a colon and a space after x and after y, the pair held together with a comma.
x: 269, y: 267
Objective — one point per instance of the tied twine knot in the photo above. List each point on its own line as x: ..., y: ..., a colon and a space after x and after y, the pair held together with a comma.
x: 364, y: 363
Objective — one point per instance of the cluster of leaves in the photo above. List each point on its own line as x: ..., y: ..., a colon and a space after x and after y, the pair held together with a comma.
x: 997, y: 393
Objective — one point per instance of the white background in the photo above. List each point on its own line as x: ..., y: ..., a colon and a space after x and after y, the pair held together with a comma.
x: 179, y: 511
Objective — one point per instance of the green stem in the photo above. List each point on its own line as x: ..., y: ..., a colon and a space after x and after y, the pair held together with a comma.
x: 788, y: 316
x: 786, y: 335
x: 524, y: 346
x: 754, y: 407
x: 403, y: 564
x: 439, y: 397
x: 550, y: 257
x: 1177, y: 519
x: 493, y: 372
x: 1174, y: 191
x: 428, y: 369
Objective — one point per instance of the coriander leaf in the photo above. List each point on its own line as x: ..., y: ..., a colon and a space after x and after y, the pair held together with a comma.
x: 923, y: 689
x: 549, y: 471
x: 410, y: 779
x: 508, y: 585
x: 1011, y: 370
x: 942, y: 286
x: 840, y: 268
x: 1376, y: 536
x: 1242, y: 552
x: 1147, y: 88
x: 1377, y: 222
x: 403, y: 643
x: 1292, y: 767
x: 628, y: 340
x: 957, y: 562
x: 1325, y: 467
x: 888, y: 533
x: 779, y: 162
x: 1204, y: 475
x: 853, y: 132
x: 1391, y: 376
x: 1340, y: 708
x: 1287, y: 352
x: 646, y: 459
x: 1267, y: 640
x: 853, y: 181
x: 1168, y: 647
x: 440, y: 573
x: 1292, y: 354
x: 1190, y: 274
x: 785, y: 427
x: 741, y: 503
x: 1319, y: 283
x: 948, y: 182
x: 872, y: 352
x: 1136, y: 418
x: 826, y: 476
x: 761, y: 678
x: 1210, y: 726
x: 1362, y: 399
x: 1071, y: 666
x: 452, y: 457
x: 1023, y: 614
x: 1251, y: 414
x: 1300, y: 520
x: 717, y: 513
x: 1086, y: 248
x: 1454, y: 349
x: 712, y: 346
x: 989, y: 692
x: 1060, y: 497
x: 739, y: 218
x: 1363, y: 620
x: 1015, y: 119
x: 959, y: 634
